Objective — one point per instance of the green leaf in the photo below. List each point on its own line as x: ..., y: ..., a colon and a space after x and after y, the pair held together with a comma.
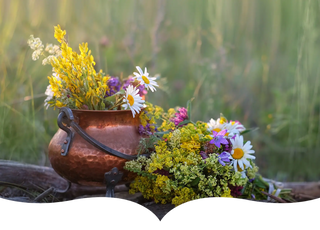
x: 259, y: 182
x: 195, y: 182
x: 249, y: 130
x: 114, y: 96
x: 160, y: 134
x: 184, y: 122
x: 189, y: 108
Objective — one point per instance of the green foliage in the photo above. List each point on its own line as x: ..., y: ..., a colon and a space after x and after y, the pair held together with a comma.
x: 146, y: 145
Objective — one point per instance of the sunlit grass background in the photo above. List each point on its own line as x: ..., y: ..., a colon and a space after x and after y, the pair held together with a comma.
x: 254, y: 61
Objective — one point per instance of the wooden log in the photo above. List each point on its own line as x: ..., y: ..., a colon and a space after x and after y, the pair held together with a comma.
x: 301, y: 190
x: 40, y: 178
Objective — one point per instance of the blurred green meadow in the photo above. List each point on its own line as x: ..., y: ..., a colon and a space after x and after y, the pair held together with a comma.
x: 253, y: 61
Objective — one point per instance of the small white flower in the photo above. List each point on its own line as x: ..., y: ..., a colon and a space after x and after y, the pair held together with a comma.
x: 133, y: 100
x: 49, y: 94
x: 36, y: 54
x: 144, y: 78
x: 35, y: 43
x: 49, y: 48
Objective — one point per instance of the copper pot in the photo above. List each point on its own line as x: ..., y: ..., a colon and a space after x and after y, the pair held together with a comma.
x: 85, y: 164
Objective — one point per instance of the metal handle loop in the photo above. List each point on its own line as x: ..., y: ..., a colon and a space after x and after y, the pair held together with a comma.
x: 66, y: 117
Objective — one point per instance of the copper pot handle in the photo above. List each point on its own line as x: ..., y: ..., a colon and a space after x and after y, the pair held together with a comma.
x: 66, y: 119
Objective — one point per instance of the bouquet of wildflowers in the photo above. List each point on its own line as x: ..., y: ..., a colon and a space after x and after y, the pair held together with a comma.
x: 76, y: 84
x: 195, y: 160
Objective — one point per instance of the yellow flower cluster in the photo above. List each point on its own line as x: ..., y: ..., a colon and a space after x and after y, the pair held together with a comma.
x: 59, y: 33
x: 150, y: 114
x: 76, y: 83
x: 152, y: 189
x: 190, y: 137
x: 167, y: 125
x: 176, y: 173
x: 251, y: 172
x: 183, y: 195
x: 227, y: 193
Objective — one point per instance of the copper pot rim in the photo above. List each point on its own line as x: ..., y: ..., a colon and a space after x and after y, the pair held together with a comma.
x: 103, y: 111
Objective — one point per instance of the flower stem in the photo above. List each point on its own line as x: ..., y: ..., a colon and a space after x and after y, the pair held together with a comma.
x: 116, y: 105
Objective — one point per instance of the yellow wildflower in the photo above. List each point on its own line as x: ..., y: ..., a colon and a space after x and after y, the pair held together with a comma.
x: 66, y: 51
x: 143, y: 118
x: 183, y: 195
x: 59, y: 34
x: 60, y: 104
x: 89, y: 93
x: 171, y: 112
x: 83, y: 49
x: 55, y: 86
x: 226, y: 193
x: 167, y: 125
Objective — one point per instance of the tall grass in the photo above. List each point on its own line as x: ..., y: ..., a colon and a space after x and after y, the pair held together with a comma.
x: 254, y: 61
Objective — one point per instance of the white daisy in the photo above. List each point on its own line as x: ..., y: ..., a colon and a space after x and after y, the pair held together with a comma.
x: 144, y: 78
x: 239, y: 126
x: 232, y: 128
x: 133, y: 100
x: 241, y: 153
x: 215, y: 125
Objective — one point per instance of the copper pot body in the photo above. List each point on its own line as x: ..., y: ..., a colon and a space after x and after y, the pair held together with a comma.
x: 85, y: 164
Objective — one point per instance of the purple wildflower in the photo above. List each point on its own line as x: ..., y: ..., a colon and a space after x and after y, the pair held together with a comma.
x: 204, y: 155
x: 253, y: 196
x: 223, y: 157
x: 227, y: 147
x: 131, y: 81
x: 114, y: 86
x: 180, y: 116
x: 145, y: 130
x: 218, y: 138
x: 251, y: 180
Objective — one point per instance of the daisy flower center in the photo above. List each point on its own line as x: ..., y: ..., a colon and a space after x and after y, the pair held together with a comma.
x: 130, y: 99
x: 238, y: 153
x: 239, y: 169
x: 145, y: 79
x: 217, y: 130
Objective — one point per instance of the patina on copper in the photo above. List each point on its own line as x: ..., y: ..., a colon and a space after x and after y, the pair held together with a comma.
x: 85, y: 164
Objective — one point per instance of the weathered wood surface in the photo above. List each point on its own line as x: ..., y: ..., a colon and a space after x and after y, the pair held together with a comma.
x: 40, y: 178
